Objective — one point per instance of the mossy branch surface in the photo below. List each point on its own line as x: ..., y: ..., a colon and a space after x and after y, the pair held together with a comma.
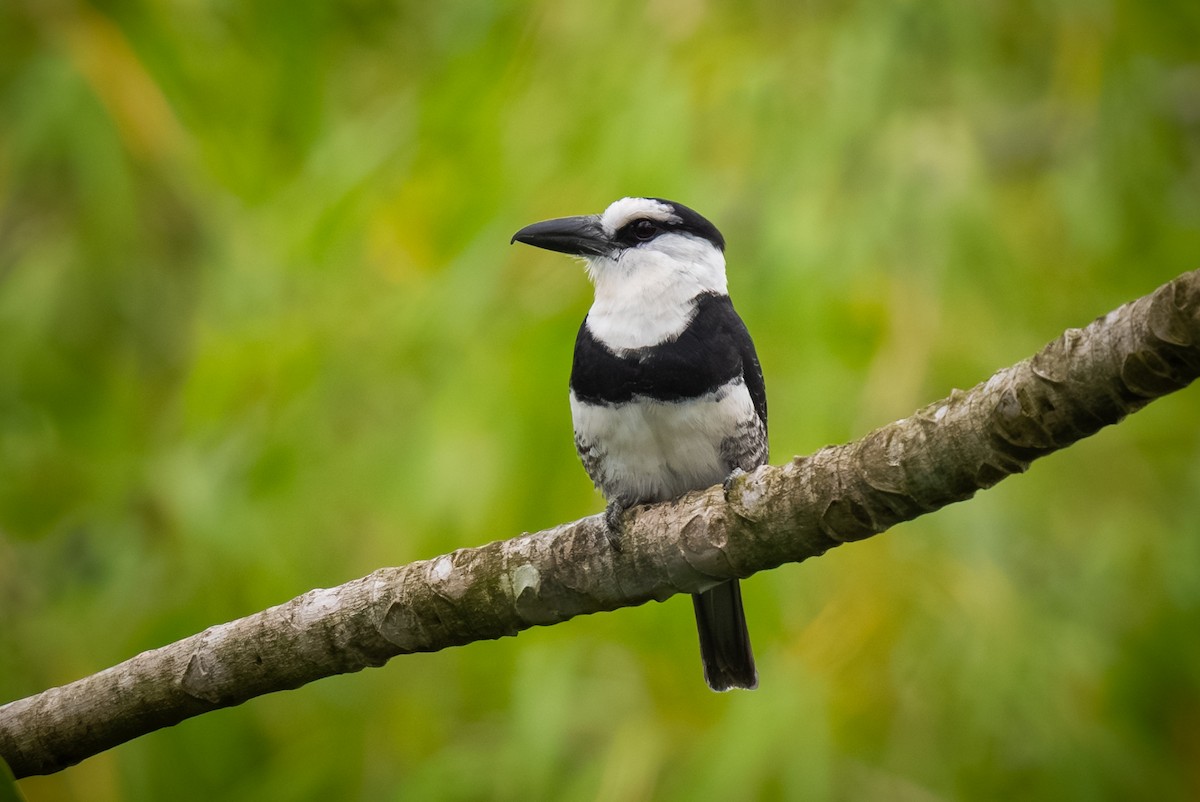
x: 1086, y: 379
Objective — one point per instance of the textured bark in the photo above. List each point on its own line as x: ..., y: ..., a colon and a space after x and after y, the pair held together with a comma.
x: 1084, y: 380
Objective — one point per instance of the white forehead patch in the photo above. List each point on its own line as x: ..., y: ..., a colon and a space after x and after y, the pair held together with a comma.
x: 621, y: 212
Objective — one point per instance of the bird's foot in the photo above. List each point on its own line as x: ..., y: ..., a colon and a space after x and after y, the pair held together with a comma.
x: 727, y: 485
x: 614, y: 522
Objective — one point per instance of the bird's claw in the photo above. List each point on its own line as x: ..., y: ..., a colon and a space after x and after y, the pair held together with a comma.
x: 727, y: 485
x: 614, y: 515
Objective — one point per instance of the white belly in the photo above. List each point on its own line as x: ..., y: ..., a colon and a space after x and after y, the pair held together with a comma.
x: 647, y: 450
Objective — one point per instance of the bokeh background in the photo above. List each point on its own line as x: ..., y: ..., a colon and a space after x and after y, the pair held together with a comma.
x: 261, y: 330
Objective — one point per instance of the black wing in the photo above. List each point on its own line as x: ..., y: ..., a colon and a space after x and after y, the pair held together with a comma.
x: 752, y: 373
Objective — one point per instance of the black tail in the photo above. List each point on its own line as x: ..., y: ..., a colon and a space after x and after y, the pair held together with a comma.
x: 724, y: 639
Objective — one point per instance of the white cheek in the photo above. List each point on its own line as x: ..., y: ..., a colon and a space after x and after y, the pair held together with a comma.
x: 646, y: 296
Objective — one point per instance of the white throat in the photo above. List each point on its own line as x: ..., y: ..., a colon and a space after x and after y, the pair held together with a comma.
x: 645, y: 295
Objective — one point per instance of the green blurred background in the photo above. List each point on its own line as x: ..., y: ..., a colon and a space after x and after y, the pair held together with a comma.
x: 261, y: 330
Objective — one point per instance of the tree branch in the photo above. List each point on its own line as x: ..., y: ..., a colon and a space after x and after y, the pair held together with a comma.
x: 1085, y: 380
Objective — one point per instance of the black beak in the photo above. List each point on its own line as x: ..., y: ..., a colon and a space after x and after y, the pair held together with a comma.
x: 578, y: 236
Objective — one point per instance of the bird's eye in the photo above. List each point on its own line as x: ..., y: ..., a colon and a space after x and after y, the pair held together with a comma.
x: 644, y: 230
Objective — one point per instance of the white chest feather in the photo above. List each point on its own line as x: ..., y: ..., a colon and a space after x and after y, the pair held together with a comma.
x: 647, y: 450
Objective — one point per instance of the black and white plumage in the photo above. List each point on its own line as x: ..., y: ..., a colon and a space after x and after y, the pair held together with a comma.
x: 667, y: 395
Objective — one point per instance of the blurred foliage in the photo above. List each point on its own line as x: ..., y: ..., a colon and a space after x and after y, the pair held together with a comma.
x: 261, y: 330
x: 9, y: 792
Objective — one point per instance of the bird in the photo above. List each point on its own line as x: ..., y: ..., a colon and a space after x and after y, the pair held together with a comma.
x: 666, y: 390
